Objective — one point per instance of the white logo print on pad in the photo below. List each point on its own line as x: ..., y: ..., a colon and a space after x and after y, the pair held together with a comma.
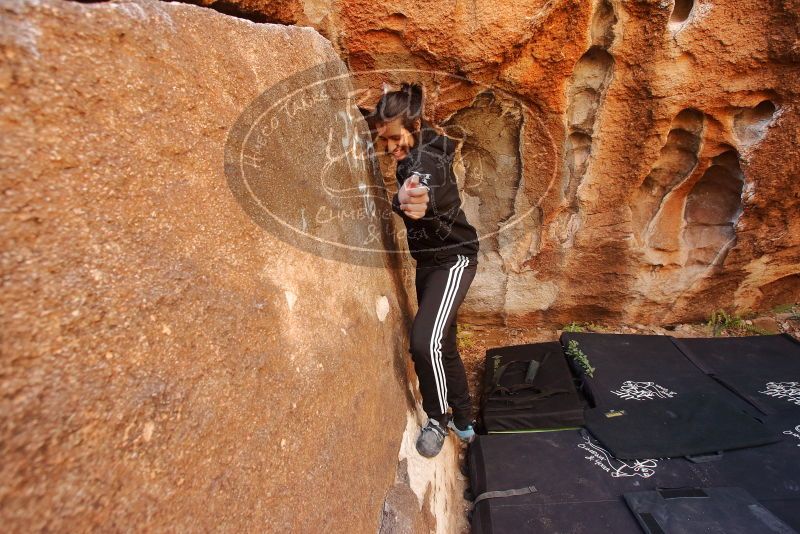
x: 613, y: 465
x: 795, y: 433
x: 642, y: 391
x: 784, y: 390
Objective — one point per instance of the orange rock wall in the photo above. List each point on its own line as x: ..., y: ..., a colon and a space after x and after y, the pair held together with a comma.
x: 651, y: 168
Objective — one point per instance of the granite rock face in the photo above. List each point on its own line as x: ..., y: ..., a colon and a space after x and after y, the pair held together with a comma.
x: 624, y: 161
x: 167, y: 364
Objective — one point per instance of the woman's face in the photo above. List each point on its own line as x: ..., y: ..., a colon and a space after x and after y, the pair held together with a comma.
x: 398, y: 140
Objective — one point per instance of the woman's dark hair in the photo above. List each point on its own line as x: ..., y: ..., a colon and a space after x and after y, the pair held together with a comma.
x: 408, y: 104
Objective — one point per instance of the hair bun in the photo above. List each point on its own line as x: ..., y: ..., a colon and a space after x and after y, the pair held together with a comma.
x: 408, y: 102
x: 415, y: 97
x: 412, y: 88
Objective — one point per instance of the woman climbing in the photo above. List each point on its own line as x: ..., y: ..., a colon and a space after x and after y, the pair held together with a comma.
x: 445, y: 247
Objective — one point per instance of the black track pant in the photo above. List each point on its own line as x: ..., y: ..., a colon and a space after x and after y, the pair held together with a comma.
x: 442, y: 381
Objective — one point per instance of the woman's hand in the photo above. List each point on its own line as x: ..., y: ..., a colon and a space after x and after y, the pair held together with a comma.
x: 413, y: 198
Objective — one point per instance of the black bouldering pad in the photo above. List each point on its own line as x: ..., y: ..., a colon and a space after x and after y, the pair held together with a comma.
x: 770, y: 473
x: 565, y: 465
x: 723, y: 510
x: 691, y: 424
x: 764, y: 370
x: 579, y: 484
x: 635, y: 367
x: 651, y: 401
x: 528, y: 387
x: 494, y: 517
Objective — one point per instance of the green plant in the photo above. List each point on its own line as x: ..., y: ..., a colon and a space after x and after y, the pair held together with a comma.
x: 720, y: 320
x: 573, y: 327
x: 793, y: 309
x: 575, y: 352
x: 756, y: 330
x: 495, y: 366
x: 464, y: 337
x: 784, y: 308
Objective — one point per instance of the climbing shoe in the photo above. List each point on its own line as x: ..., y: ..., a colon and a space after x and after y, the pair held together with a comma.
x: 431, y: 439
x: 466, y: 435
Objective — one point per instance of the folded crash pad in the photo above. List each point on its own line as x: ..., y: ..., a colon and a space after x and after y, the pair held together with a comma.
x: 528, y: 387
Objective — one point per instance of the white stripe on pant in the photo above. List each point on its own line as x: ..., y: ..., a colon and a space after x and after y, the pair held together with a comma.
x: 438, y: 329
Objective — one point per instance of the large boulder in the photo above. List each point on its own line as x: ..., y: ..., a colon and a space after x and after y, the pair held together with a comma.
x: 170, y: 362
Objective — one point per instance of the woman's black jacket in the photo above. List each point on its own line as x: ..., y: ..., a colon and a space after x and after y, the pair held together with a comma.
x: 443, y: 232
